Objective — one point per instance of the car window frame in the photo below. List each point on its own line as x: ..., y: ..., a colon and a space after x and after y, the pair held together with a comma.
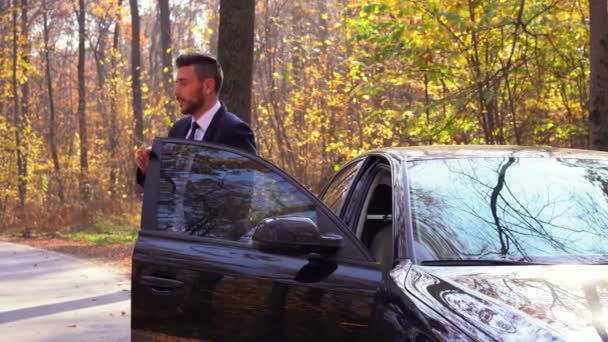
x: 373, y: 166
x: 151, y: 194
x: 372, y: 175
x: 355, y: 201
x: 403, y: 248
x: 362, y: 161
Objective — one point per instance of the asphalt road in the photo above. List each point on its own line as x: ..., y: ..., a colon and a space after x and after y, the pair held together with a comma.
x: 48, y: 296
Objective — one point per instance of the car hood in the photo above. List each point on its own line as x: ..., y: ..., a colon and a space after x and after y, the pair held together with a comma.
x: 518, y: 302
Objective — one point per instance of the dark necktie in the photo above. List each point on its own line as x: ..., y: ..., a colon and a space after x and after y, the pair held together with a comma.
x: 193, y: 129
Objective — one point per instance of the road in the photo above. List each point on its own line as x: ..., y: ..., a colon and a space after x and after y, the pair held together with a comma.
x: 48, y: 296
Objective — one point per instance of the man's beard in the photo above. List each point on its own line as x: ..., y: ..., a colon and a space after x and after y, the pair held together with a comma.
x: 192, y: 107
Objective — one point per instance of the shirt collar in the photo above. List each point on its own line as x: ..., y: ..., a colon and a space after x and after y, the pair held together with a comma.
x: 205, y: 120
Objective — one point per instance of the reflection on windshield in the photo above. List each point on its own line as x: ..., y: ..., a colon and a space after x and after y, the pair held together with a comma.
x: 525, y: 209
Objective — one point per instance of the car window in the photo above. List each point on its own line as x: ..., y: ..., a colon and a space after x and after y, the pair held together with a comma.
x: 213, y: 193
x: 219, y: 194
x: 548, y: 210
x: 335, y: 195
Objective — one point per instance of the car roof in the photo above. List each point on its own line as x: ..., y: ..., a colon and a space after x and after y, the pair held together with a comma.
x: 485, y: 151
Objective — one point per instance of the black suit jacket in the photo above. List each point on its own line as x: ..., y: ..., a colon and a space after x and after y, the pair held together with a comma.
x: 225, y: 129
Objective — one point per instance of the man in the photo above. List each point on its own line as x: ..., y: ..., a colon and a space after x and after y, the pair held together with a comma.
x: 197, y: 88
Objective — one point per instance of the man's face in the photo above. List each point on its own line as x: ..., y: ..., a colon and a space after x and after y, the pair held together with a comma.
x: 188, y: 90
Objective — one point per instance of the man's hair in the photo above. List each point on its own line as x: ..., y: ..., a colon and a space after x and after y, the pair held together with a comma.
x: 205, y: 67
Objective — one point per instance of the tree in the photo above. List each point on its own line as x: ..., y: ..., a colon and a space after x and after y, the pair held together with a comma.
x: 213, y: 8
x: 103, y: 16
x: 332, y: 79
x: 235, y: 54
x: 82, y: 116
x: 25, y: 101
x: 18, y: 119
x: 136, y: 74
x: 166, y: 53
x: 49, y: 83
x: 598, y: 102
x: 113, y: 141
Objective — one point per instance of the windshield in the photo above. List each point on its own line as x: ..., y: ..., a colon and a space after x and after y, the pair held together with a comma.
x: 545, y: 210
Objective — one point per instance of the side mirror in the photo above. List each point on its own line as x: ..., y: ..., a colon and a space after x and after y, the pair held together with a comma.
x: 293, y: 235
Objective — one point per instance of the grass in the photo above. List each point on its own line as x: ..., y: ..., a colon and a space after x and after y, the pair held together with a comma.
x: 102, y: 238
x: 124, y: 236
x: 103, y: 228
x: 106, y: 229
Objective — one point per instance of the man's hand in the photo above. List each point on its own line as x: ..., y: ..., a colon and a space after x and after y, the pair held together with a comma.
x: 142, y: 158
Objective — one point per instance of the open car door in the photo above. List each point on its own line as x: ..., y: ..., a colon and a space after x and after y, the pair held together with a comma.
x: 233, y: 249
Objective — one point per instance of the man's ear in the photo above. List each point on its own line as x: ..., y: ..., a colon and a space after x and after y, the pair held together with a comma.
x: 209, y: 86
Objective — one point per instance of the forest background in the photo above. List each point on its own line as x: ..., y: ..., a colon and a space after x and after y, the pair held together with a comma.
x: 84, y: 83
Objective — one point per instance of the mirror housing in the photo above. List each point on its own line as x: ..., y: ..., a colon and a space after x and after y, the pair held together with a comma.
x: 293, y: 235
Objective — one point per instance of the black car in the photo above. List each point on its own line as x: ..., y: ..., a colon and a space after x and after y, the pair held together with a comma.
x: 405, y: 244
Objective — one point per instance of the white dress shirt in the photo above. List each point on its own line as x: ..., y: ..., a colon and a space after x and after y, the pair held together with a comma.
x: 204, y: 121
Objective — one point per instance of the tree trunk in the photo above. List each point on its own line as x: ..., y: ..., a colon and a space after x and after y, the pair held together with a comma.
x: 598, y: 103
x: 21, y: 185
x: 166, y: 56
x: 154, y: 58
x: 4, y: 7
x: 113, y: 131
x: 327, y: 130
x: 100, y: 58
x: 49, y: 80
x: 82, y: 119
x: 482, y: 92
x: 235, y: 53
x: 214, y: 20
x: 136, y: 74
x: 25, y: 99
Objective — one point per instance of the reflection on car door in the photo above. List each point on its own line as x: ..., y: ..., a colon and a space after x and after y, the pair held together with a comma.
x: 196, y: 275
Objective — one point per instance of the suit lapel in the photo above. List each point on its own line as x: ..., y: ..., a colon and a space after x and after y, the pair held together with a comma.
x: 186, y: 127
x: 210, y: 134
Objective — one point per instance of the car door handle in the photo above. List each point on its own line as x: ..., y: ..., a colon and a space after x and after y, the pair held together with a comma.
x: 161, y: 283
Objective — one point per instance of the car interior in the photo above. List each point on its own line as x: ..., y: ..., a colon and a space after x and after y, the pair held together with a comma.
x: 375, y: 225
